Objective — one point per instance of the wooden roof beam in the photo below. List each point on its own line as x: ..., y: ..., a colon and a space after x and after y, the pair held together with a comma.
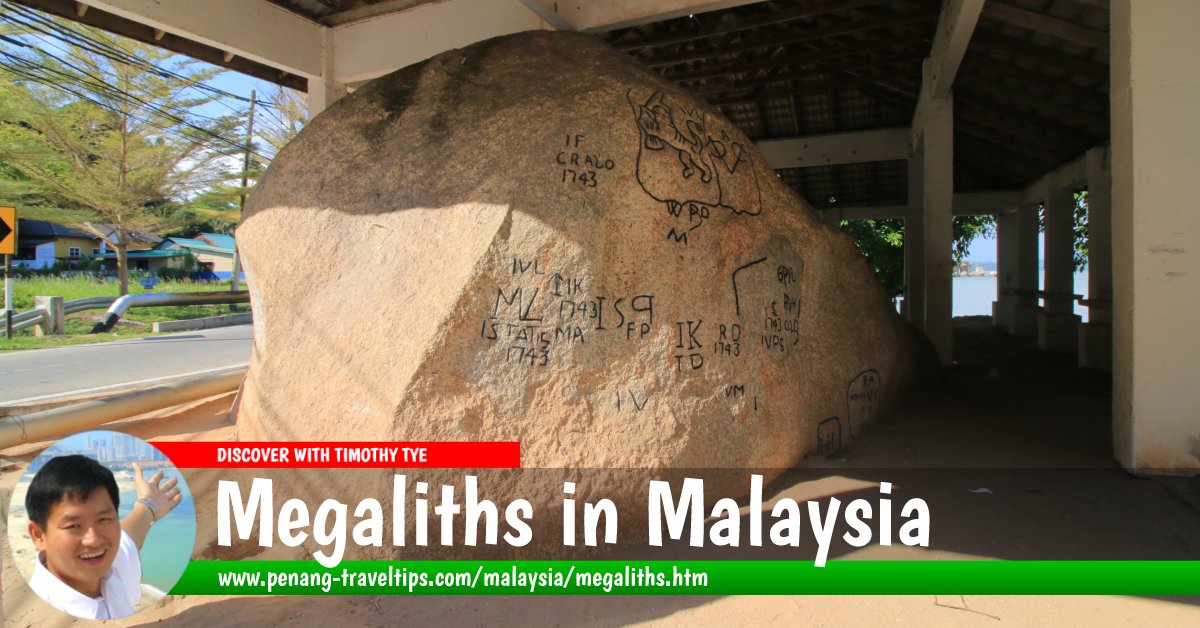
x: 1041, y: 54
x: 1042, y: 23
x: 865, y: 64
x: 1015, y: 128
x: 955, y: 27
x: 199, y: 38
x: 970, y: 153
x: 814, y: 87
x: 1004, y: 148
x: 803, y: 58
x: 599, y: 17
x: 1093, y: 124
x: 769, y: 18
x: 965, y: 204
x: 1093, y: 106
x: 260, y: 31
x: 993, y: 113
x: 808, y: 34
x: 838, y: 148
x: 976, y: 60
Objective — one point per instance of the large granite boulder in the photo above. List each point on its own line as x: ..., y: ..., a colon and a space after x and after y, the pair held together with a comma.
x: 535, y: 239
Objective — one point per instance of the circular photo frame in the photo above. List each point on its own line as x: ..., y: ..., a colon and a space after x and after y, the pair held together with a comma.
x: 93, y: 539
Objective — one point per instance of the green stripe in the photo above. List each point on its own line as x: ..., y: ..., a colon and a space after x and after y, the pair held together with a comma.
x: 582, y: 577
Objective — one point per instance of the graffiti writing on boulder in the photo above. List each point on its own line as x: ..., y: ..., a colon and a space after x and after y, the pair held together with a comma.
x: 688, y: 346
x: 578, y: 166
x: 692, y: 163
x: 862, y: 398
x: 540, y: 309
x: 737, y: 304
x: 829, y: 437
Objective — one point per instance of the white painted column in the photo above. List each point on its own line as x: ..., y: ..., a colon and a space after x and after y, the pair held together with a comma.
x: 938, y: 195
x: 324, y: 90
x: 1025, y: 310
x: 1006, y: 269
x: 914, y: 242
x: 1058, y: 326
x: 1095, y: 336
x: 1156, y: 227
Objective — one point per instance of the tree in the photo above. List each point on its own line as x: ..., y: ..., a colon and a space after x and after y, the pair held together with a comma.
x: 882, y: 242
x: 283, y: 119
x: 282, y: 115
x: 1081, y: 230
x: 111, y: 131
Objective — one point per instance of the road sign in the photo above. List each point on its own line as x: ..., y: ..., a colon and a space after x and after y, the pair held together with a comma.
x: 8, y: 231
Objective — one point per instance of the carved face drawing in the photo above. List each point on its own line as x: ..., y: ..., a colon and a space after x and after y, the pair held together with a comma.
x: 683, y: 159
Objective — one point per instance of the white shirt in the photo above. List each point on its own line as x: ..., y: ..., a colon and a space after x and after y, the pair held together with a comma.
x: 120, y: 590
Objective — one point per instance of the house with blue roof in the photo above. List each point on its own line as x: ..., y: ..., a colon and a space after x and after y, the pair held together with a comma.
x: 212, y: 251
x: 211, y: 256
x: 42, y: 244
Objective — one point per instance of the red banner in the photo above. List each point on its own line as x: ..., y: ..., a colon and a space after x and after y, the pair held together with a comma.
x: 370, y: 455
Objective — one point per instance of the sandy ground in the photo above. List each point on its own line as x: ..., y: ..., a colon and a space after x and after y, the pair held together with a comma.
x: 1029, y: 427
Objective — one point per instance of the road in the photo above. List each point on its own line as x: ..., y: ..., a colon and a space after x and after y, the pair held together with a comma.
x: 26, y: 376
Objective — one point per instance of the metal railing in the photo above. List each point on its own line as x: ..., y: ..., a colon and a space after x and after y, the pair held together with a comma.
x: 24, y: 320
x: 117, y: 306
x: 122, y: 305
x: 16, y: 429
x: 89, y: 303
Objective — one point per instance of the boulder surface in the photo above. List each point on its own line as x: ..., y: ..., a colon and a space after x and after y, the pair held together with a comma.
x: 535, y: 239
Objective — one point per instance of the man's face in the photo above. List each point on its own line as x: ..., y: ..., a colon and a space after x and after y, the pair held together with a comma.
x: 80, y: 540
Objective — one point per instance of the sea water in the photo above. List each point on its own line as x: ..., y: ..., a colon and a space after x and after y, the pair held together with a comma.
x: 170, y: 541
x: 973, y: 296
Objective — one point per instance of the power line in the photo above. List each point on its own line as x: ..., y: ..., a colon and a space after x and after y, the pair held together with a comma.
x: 49, y: 82
x: 104, y: 49
x: 30, y: 70
x: 99, y: 84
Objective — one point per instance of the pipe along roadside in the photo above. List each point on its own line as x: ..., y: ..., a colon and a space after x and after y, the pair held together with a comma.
x: 122, y: 305
x: 20, y: 429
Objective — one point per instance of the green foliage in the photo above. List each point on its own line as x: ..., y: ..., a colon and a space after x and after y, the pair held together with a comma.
x: 136, y: 322
x: 284, y: 119
x: 82, y: 286
x: 106, y: 140
x: 882, y: 242
x: 1081, y: 231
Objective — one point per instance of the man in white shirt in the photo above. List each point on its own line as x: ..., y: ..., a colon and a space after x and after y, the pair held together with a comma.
x: 87, y: 563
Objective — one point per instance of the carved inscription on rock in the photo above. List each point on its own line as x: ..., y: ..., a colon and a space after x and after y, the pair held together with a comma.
x: 539, y: 310
x: 691, y: 162
x: 577, y: 165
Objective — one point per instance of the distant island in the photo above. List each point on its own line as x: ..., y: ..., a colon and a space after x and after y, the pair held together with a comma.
x: 974, y: 269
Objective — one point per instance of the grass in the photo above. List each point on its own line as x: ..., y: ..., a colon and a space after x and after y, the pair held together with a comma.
x: 134, y: 324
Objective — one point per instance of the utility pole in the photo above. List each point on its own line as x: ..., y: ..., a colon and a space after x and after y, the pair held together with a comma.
x: 237, y: 262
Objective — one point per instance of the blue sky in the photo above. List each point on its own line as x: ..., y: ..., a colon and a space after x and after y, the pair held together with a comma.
x: 240, y: 84
x: 982, y: 250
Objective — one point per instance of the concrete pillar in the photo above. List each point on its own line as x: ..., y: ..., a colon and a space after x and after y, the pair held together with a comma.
x: 323, y: 91
x: 1058, y: 326
x: 1095, y: 336
x: 1016, y: 308
x: 55, y: 322
x: 1025, y: 311
x: 1006, y: 269
x: 914, y: 242
x: 938, y: 218
x: 1156, y: 226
